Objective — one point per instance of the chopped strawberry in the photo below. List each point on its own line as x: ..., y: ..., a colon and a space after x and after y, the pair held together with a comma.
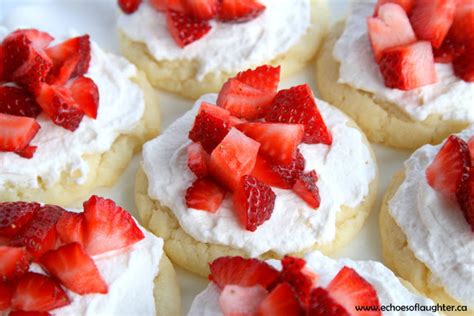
x: 349, y: 289
x: 28, y: 152
x: 465, y: 197
x: 16, y: 132
x: 37, y: 292
x: 38, y: 38
x: 240, y: 300
x: 129, y: 6
x: 198, y: 160
x: 2, y: 62
x: 265, y: 171
x: 463, y: 65
x: 431, y: 19
x: 185, y: 29
x: 85, y: 92
x: 6, y: 294
x: 205, y: 195
x: 264, y: 78
x: 15, y: 215
x: 210, y: 126
x: 239, y: 10
x: 75, y: 269
x: 450, y: 167
x: 292, y: 172
x: 321, y: 304
x: 253, y: 202
x: 233, y: 158
x: 15, y: 262
x: 307, y: 189
x: 297, y: 105
x: 282, y: 301
x: 295, y: 273
x: 108, y: 226
x: 242, y: 272
x: 408, y: 67
x: 462, y: 29
x: 23, y: 313
x: 389, y: 29
x: 159, y: 5
x: 470, y: 144
x: 33, y: 72
x: 202, y: 10
x: 448, y: 51
x: 71, y: 227
x: 57, y: 102
x: 18, y: 101
x: 177, y: 6
x: 407, y: 5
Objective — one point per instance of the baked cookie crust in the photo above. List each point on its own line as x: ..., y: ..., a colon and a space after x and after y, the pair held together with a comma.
x: 166, y: 291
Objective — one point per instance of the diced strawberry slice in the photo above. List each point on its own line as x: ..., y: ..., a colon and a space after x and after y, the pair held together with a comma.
x: 198, y: 160
x: 265, y: 171
x: 16, y: 132
x: 233, y: 158
x: 185, y: 29
x: 407, y: 5
x: 23, y: 313
x: 177, y: 5
x: 15, y: 262
x: 205, y: 195
x: 37, y: 292
x: 28, y: 152
x: 2, y: 62
x: 292, y: 172
x: 278, y: 141
x: 297, y: 105
x: 307, y: 189
x: 159, y: 5
x: 264, y: 78
x: 18, y: 101
x: 85, y: 92
x: 463, y: 65
x: 38, y: 38
x: 210, y: 126
x: 408, y: 67
x: 202, y: 10
x: 6, y: 294
x: 465, y: 197
x: 108, y: 226
x: 470, y: 144
x: 75, y: 269
x: 242, y: 272
x: 239, y: 10
x: 71, y: 227
x: 462, y: 29
x: 253, y: 202
x: 431, y: 19
x: 129, y: 6
x: 448, y: 51
x: 240, y: 300
x: 389, y: 29
x: 295, y: 273
x: 281, y: 301
x: 33, y: 72
x: 322, y: 304
x: 450, y: 166
x: 15, y: 215
x: 349, y: 289
x: 57, y: 102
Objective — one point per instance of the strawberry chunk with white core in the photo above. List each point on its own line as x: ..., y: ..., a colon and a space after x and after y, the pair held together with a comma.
x: 15, y: 262
x: 16, y: 132
x: 18, y: 101
x: 431, y: 19
x: 6, y: 294
x: 15, y: 215
x: 185, y: 29
x: 389, y: 29
x: 129, y: 6
x: 239, y: 300
x: 307, y: 189
x: 322, y: 304
x: 281, y: 301
x: 408, y: 67
x: 85, y: 92
x: 204, y: 194
x: 407, y: 5
x: 265, y: 171
x: 34, y: 71
x: 239, y: 10
x: 198, y: 160
x: 302, y: 280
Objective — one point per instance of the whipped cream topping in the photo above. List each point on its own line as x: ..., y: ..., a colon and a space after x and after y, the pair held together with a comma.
x: 121, y: 107
x: 293, y: 225
x: 436, y: 229
x: 227, y: 47
x: 389, y: 288
x: 450, y: 97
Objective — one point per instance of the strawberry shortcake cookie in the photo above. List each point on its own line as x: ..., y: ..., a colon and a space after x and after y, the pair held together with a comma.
x: 263, y: 174
x: 314, y: 286
x: 191, y: 47
x: 95, y: 261
x: 427, y: 221
x: 403, y: 69
x: 71, y: 116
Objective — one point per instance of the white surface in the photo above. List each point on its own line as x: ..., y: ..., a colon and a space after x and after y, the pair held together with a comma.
x: 97, y: 17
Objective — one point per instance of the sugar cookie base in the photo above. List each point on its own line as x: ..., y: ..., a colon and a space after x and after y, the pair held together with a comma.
x: 166, y: 291
x: 382, y: 122
x: 179, y: 76
x: 104, y: 169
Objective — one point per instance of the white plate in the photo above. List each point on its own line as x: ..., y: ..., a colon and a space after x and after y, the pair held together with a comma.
x: 97, y: 17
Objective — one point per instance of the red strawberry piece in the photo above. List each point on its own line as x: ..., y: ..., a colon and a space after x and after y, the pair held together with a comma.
x: 265, y: 171
x: 470, y: 144
x: 38, y: 38
x: 297, y: 105
x: 23, y: 313
x: 129, y: 6
x: 431, y: 19
x: 408, y: 67
x: 16, y: 132
x: 71, y: 265
x: 159, y: 5
x: 18, y: 101
x: 108, y: 226
x: 2, y: 62
x: 448, y: 51
x: 198, y: 160
x: 15, y: 262
x: 185, y: 29
x: 14, y: 215
x: 282, y: 301
x: 465, y: 197
x: 28, y: 152
x: 177, y: 5
x: 37, y: 292
x: 307, y: 189
x: 349, y: 289
x: 202, y: 10
x: 462, y: 29
x: 292, y: 172
x: 71, y: 227
x: 240, y: 300
x: 33, y: 72
x: 389, y: 29
x: 463, y: 65
x: 210, y: 126
x: 6, y: 294
x: 205, y: 195
x: 242, y: 272
x: 57, y: 102
x: 71, y: 58
x: 278, y: 141
x: 450, y: 167
x: 407, y: 5
x: 85, y: 92
x: 264, y: 78
x: 295, y: 273
x: 239, y: 10
x: 322, y: 304
x: 253, y: 202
